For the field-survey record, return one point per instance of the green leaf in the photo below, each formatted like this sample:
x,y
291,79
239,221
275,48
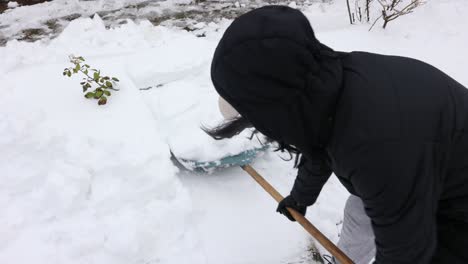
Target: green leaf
x,y
107,93
86,71
102,101
69,74
82,83
81,58
89,95
98,93
105,78
96,76
86,65
115,79
108,84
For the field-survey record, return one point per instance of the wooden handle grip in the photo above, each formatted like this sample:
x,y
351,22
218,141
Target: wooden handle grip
x,y
309,227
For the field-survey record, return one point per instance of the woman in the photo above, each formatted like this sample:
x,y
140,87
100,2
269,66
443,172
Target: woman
x,y
392,129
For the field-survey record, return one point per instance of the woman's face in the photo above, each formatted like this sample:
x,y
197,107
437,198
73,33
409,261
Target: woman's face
x,y
227,111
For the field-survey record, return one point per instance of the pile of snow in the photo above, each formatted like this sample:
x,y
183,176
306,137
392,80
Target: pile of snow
x,y
81,183
88,184
12,4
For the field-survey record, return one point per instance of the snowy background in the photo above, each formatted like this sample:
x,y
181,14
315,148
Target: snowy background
x,y
87,184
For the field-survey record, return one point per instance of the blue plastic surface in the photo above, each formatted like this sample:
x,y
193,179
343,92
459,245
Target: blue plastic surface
x,y
243,158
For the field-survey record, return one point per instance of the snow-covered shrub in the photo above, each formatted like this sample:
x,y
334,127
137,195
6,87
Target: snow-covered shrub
x,y
101,84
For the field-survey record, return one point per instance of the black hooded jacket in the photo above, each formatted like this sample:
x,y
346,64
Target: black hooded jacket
x,y
392,129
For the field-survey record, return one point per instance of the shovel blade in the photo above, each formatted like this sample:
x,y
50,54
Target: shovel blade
x,y
241,159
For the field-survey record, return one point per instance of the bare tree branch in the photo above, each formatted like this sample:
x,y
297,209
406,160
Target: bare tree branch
x,y
349,12
375,22
390,10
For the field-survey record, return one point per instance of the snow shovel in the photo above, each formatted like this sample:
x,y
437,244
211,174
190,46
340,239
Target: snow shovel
x,y
309,227
243,160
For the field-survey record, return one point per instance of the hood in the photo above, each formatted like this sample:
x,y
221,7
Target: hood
x,y
270,67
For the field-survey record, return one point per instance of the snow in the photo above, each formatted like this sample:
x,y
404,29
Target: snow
x,y
12,4
292,4
83,183
59,11
95,185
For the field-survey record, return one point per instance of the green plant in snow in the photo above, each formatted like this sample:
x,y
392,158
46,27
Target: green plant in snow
x,y
95,86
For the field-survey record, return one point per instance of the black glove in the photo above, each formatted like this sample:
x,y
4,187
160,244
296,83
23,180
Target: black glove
x,y
291,203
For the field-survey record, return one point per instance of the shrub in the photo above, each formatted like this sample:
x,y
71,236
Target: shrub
x,y
95,86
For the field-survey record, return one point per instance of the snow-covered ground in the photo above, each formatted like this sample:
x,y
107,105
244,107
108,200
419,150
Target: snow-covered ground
x,y
87,184
48,19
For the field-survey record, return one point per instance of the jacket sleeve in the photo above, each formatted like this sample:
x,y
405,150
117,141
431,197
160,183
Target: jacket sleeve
x,y
312,174
399,184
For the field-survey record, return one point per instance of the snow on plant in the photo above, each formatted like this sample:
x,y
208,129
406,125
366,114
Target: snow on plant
x,y
98,85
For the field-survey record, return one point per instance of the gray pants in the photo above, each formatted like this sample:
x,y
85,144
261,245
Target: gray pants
x,y
357,236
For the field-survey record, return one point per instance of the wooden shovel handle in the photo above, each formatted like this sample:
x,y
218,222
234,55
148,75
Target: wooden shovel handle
x,y
323,240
